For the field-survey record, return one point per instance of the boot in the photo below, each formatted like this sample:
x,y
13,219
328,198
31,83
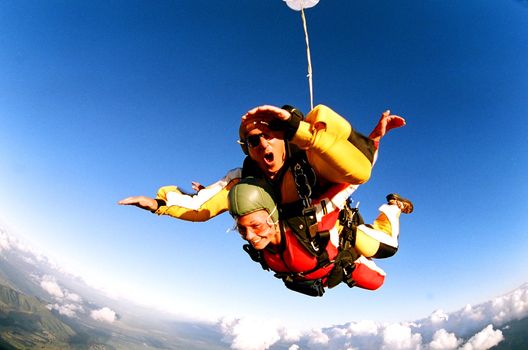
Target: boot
x,y
404,204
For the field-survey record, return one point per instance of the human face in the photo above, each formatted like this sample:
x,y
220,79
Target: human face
x,y
258,229
266,150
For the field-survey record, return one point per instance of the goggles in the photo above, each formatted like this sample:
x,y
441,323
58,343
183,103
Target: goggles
x,y
254,140
260,229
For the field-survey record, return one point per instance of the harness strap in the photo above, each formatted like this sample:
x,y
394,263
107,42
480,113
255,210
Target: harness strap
x,y
313,288
303,175
255,256
349,219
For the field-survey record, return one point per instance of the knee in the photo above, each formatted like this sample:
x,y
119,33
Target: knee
x,y
385,251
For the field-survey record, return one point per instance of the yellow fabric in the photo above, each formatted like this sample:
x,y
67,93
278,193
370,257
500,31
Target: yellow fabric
x,y
383,224
213,207
369,246
324,137
366,245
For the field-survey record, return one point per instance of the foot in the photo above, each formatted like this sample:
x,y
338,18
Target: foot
x,y
404,204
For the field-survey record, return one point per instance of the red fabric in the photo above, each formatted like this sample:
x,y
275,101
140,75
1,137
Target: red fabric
x,y
367,278
296,258
329,220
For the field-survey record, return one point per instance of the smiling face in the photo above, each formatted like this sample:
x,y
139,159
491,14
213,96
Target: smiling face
x,y
258,229
265,149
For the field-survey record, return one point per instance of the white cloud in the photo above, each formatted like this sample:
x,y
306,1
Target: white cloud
x,y
72,297
474,314
290,334
69,310
442,340
28,260
8,241
50,285
400,336
317,337
105,314
511,306
486,339
363,328
250,334
439,331
438,317
68,304
5,243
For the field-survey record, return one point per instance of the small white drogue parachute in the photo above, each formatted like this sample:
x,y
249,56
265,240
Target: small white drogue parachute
x,y
298,5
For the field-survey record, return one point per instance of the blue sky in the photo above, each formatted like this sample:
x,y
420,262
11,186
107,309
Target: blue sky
x,y
101,100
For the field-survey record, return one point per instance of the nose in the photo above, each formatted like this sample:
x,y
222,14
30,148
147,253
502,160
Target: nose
x,y
249,234
264,142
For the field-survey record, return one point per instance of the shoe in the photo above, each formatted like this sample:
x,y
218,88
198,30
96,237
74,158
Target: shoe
x,y
404,204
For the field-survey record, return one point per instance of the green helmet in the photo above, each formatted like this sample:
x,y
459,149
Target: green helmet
x,y
251,195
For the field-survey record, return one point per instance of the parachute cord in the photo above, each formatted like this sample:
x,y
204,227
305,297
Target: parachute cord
x,y
310,85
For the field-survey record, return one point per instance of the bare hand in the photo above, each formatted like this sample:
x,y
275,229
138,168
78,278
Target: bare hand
x,y
272,117
196,186
266,113
386,123
142,202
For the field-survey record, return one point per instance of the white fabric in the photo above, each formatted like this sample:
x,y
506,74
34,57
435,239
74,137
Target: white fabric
x,y
392,212
194,202
298,5
337,202
370,264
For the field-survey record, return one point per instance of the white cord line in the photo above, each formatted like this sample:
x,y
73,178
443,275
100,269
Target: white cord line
x,y
310,85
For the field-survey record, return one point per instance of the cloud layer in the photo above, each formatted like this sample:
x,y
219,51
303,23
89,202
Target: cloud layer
x,y
71,304
470,328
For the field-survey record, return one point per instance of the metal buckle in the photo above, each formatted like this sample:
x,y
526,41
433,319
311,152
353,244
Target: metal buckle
x,y
310,218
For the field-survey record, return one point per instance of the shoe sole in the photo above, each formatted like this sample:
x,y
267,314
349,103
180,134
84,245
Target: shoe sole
x,y
407,204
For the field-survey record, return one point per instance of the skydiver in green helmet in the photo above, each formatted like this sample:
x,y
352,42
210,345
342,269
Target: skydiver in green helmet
x,y
305,264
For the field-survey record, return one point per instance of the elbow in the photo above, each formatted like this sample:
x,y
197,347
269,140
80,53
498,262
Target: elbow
x,y
365,176
359,176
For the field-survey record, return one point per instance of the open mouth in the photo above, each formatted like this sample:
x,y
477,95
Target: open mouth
x,y
268,157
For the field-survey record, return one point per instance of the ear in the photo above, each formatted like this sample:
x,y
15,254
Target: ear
x,y
244,147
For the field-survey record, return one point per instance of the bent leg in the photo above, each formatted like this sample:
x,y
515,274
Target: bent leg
x,y
380,240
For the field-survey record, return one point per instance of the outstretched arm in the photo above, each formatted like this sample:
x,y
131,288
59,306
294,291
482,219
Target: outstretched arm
x,y
207,203
142,202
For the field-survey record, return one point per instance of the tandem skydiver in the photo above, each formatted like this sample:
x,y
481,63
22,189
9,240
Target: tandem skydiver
x,y
310,167
339,252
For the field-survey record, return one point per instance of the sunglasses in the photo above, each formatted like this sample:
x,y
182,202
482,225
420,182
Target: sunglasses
x,y
254,140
